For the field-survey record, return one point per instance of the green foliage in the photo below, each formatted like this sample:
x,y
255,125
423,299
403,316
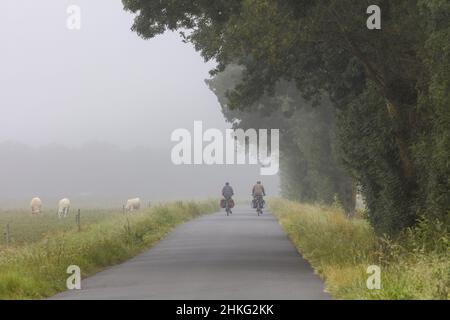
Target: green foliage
x,y
368,150
310,170
38,269
432,150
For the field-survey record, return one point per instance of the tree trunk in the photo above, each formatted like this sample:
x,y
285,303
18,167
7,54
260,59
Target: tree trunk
x,y
401,140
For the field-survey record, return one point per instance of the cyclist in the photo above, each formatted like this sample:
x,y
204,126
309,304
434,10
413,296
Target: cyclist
x,y
227,192
258,192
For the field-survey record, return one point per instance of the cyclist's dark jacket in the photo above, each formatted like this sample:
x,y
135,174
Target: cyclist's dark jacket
x,y
227,191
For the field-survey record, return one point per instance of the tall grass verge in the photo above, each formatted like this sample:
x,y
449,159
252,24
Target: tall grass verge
x,y
414,266
38,270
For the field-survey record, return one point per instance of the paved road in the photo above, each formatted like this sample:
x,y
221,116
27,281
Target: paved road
x,y
242,256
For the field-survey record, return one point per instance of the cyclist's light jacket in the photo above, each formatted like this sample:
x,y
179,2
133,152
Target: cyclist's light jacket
x,y
258,190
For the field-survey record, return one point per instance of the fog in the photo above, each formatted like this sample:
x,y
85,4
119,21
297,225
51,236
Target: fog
x,y
88,113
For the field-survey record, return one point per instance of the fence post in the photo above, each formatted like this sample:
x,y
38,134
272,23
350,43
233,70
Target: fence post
x,y
149,204
78,219
123,209
7,234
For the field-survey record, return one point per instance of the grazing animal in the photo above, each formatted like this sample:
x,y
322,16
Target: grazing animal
x,y
133,204
36,205
63,208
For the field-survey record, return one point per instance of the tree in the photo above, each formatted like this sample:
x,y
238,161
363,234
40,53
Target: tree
x,y
310,169
394,80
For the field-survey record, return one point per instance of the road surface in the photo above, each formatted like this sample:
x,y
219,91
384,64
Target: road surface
x,y
242,256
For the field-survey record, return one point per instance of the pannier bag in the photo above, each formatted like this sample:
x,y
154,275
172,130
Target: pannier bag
x,y
254,203
230,203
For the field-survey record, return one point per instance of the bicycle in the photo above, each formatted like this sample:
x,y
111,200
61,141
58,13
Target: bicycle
x,y
227,207
259,204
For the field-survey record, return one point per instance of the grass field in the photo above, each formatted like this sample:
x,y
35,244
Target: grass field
x,y
26,228
34,265
414,266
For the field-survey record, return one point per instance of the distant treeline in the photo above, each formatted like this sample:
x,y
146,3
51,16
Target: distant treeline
x,y
101,174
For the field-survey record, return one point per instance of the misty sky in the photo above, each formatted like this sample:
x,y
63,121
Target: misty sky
x,y
101,83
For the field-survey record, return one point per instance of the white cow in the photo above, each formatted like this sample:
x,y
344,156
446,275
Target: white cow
x,y
63,208
133,204
36,205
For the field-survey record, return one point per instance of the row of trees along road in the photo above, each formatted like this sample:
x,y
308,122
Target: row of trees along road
x,y
356,106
